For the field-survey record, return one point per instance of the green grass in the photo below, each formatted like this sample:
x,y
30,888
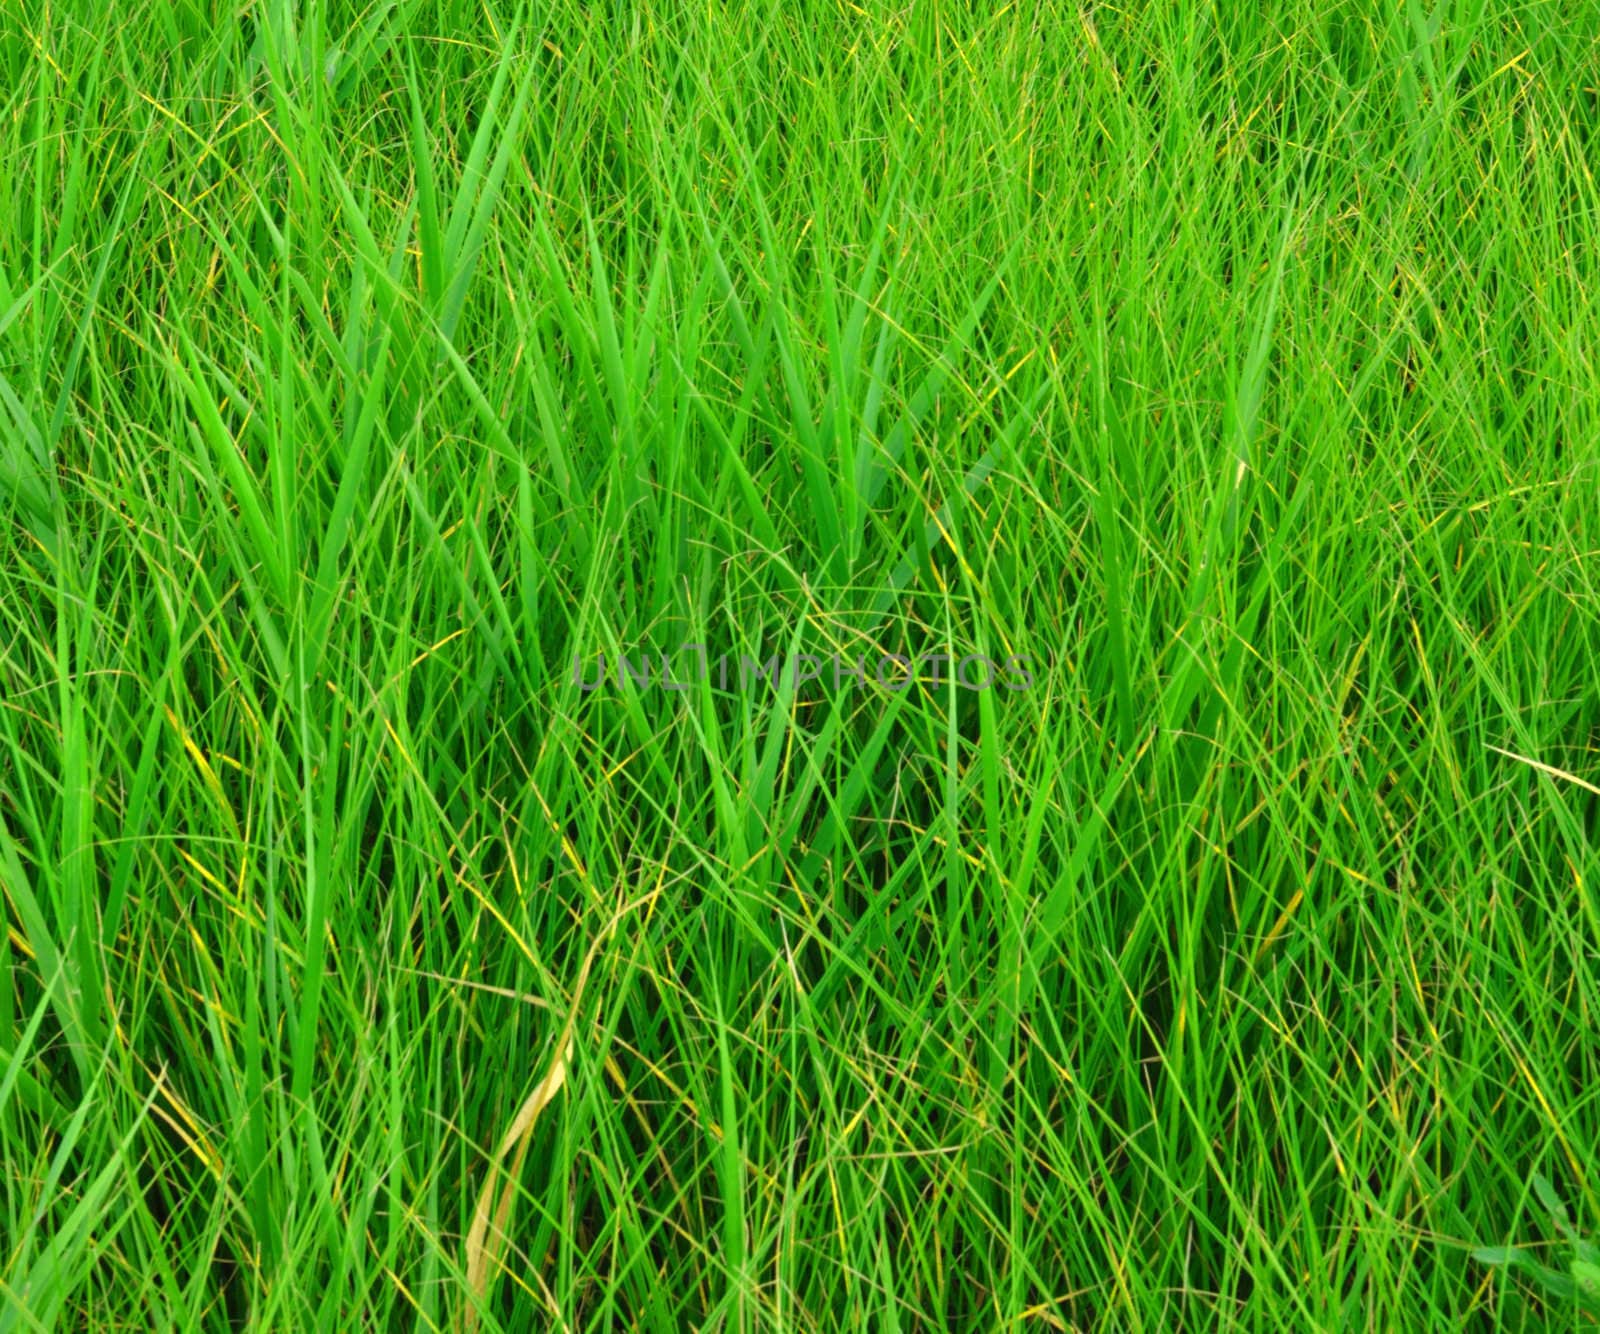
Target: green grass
x,y
361,365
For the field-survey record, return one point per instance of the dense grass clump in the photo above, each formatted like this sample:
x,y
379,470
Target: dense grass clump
x,y
374,376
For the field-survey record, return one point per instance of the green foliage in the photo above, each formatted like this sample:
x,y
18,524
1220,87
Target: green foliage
x,y
1575,1291
362,365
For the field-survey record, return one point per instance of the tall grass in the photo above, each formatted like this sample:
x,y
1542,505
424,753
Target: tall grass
x,y
365,368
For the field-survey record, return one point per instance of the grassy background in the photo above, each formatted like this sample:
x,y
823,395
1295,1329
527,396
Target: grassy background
x,y
362,364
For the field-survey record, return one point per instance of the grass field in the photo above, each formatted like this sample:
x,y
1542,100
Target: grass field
x,y
375,375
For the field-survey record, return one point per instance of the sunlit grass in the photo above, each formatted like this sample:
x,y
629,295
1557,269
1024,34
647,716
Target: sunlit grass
x,y
361,368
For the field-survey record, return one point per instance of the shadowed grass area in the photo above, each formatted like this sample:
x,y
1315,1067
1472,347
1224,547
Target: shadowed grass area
x,y
373,377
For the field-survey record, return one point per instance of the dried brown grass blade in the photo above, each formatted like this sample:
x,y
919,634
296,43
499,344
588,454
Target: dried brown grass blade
x,y
491,1220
